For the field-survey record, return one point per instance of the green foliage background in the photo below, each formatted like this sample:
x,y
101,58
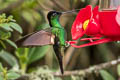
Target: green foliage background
x,y
39,62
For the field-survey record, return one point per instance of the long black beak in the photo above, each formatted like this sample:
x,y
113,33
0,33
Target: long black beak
x,y
71,11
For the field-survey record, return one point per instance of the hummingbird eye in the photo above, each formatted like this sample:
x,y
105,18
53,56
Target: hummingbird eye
x,y
54,14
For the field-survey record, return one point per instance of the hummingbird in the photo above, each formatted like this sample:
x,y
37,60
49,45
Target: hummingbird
x,y
55,35
60,35
59,32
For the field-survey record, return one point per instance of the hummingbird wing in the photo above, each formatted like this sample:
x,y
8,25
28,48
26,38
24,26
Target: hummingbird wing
x,y
58,54
40,38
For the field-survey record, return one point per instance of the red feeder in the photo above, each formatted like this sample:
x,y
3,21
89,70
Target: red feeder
x,y
101,25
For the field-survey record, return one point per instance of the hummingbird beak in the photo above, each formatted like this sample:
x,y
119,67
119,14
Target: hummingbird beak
x,y
72,11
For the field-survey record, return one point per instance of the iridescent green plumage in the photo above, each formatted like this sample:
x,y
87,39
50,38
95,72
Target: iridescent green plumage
x,y
57,29
59,33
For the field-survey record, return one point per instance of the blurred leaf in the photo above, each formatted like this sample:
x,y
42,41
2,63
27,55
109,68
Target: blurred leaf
x,y
1,78
11,43
37,53
36,15
30,3
118,69
106,76
2,44
29,17
10,18
10,59
22,52
12,75
6,26
4,35
16,27
1,67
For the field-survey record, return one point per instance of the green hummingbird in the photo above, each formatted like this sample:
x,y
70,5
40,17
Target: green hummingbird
x,y
59,32
43,37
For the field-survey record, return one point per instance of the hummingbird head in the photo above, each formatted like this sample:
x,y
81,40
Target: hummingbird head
x,y
53,15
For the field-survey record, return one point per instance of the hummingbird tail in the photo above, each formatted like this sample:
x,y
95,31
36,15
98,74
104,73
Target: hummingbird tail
x,y
60,60
59,56
61,63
